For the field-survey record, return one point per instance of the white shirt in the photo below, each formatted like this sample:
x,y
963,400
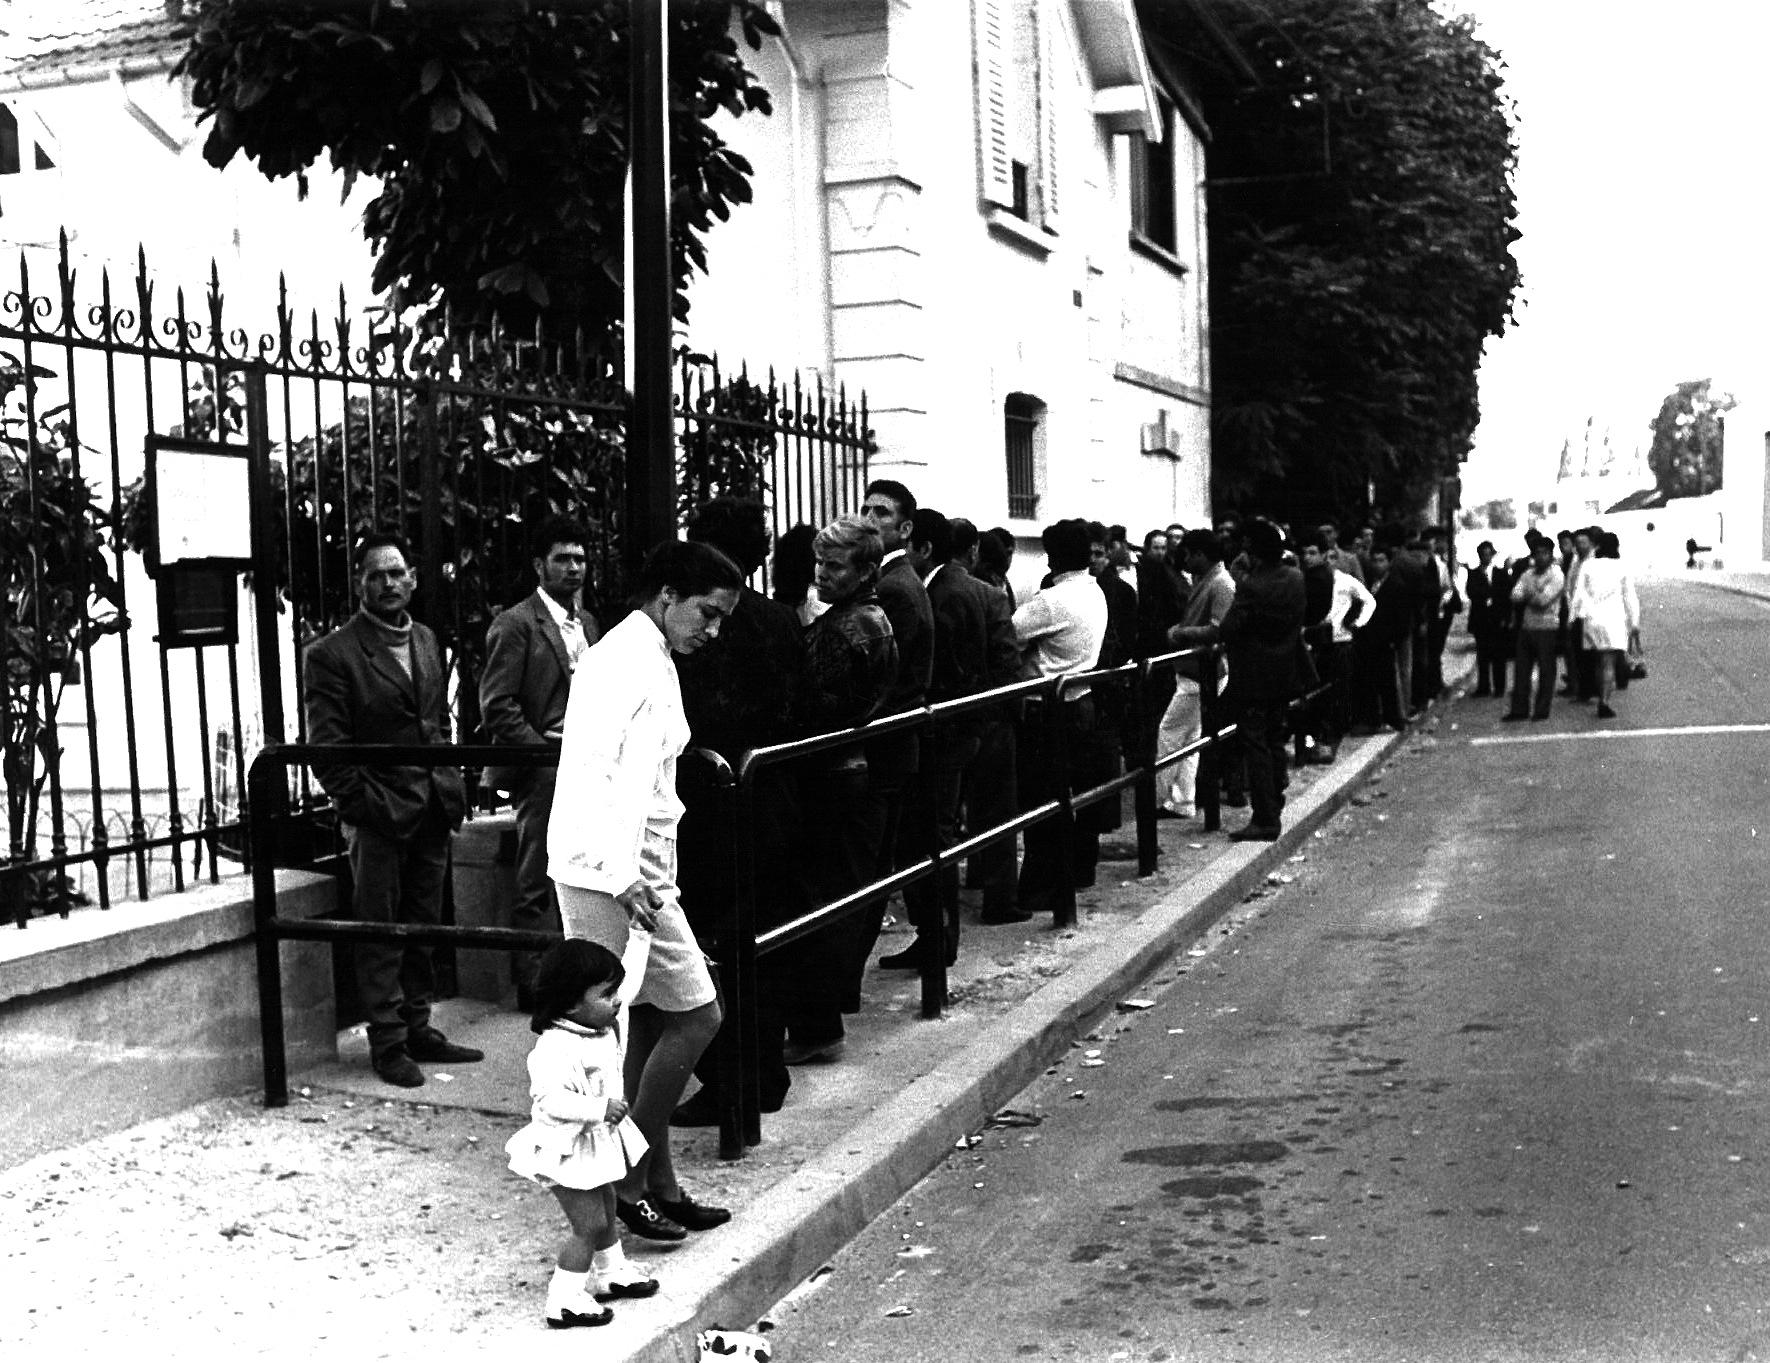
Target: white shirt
x,y
569,630
1063,626
1348,589
624,730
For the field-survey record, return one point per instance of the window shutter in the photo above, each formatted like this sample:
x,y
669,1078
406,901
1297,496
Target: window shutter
x,y
989,19
1050,50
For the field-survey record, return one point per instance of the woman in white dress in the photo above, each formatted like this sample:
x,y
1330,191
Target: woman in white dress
x,y
1605,604
611,851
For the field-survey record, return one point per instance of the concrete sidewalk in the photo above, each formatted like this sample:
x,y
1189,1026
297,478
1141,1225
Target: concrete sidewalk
x,y
856,1135
366,1220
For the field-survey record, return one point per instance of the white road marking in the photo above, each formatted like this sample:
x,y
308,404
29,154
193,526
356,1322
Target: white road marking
x,y
1501,739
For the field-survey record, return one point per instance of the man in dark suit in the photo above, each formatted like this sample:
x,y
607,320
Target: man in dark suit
x,y
1490,620
1263,637
893,761
530,652
743,691
379,678
973,643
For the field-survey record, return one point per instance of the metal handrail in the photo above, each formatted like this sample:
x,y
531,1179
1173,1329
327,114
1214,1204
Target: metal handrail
x,y
738,951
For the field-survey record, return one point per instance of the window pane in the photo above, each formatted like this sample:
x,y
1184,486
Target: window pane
x,y
9,163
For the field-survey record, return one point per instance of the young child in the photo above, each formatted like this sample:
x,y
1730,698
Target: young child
x,y
580,1141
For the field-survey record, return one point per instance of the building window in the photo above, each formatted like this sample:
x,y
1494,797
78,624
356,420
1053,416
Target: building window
x,y
1023,420
19,151
1153,207
1018,44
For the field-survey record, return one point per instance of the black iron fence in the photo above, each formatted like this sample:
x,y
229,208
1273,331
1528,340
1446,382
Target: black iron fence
x,y
738,949
124,753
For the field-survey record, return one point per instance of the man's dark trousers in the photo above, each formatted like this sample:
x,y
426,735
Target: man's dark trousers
x,y
1536,648
398,880
1042,777
536,909
1260,727
936,814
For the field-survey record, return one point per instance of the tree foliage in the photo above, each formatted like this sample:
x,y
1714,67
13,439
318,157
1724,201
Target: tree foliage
x,y
1361,222
1687,439
1501,513
57,597
498,135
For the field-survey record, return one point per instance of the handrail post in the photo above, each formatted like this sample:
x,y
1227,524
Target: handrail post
x,y
1209,759
1057,737
728,956
1144,723
739,1073
262,780
933,972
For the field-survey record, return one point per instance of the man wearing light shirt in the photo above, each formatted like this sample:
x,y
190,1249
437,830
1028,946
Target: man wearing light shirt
x,y
1060,630
1348,592
531,650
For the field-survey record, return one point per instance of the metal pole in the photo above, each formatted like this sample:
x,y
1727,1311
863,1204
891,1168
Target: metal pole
x,y
1145,720
651,459
266,624
265,775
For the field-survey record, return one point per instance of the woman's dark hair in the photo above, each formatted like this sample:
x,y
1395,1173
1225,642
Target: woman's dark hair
x,y
736,526
687,568
795,565
1608,545
568,971
993,557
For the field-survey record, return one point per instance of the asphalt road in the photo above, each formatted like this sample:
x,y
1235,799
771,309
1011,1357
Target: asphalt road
x,y
1484,1074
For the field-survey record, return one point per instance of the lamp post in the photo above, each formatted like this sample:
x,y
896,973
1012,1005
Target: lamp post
x,y
651,455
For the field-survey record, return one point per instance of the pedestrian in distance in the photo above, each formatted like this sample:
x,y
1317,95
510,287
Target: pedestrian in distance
x,y
611,849
1609,611
1489,592
1538,595
580,1140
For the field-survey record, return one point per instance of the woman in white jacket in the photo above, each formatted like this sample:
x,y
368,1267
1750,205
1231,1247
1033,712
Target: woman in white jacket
x,y
611,851
1605,603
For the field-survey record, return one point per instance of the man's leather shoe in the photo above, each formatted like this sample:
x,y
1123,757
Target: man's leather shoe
x,y
641,1216
431,1045
812,1052
398,1068
689,1214
700,1110
912,957
1508,717
1256,832
998,917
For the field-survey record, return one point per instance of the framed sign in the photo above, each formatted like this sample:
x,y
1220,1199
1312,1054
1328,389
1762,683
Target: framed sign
x,y
198,604
202,506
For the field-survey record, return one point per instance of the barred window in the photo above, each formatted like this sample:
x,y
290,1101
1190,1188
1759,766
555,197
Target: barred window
x,y
1024,439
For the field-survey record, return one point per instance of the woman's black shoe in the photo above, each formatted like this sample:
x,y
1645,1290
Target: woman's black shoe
x,y
691,1215
641,1216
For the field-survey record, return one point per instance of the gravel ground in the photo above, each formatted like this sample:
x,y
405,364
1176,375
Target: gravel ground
x,y
230,1228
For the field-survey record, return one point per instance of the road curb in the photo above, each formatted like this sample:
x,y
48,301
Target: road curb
x,y
812,1214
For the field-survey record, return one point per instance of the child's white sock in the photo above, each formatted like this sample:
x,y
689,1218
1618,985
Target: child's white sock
x,y
612,1275
568,1291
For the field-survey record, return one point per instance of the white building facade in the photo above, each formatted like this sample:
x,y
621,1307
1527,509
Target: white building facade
x,y
989,216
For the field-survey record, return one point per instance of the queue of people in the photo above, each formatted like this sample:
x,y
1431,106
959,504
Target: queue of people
x,y
870,615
